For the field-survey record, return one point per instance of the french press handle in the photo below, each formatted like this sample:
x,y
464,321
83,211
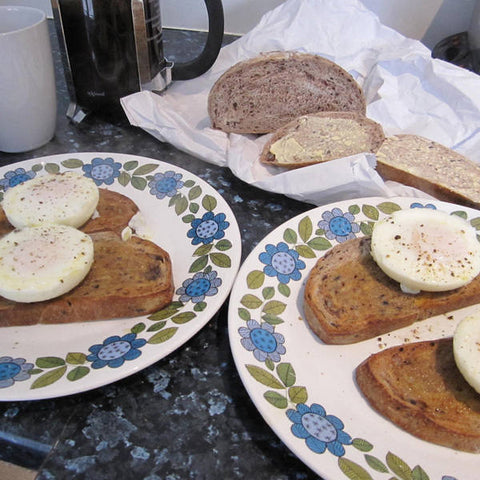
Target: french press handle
x,y
180,71
199,65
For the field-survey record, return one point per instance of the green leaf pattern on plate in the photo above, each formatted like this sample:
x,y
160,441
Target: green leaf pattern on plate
x,y
265,301
186,198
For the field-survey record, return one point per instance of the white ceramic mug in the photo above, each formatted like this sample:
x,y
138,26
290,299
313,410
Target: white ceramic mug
x,y
28,102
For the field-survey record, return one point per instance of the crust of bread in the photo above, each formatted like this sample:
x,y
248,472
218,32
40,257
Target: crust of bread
x,y
114,211
261,94
127,279
430,167
325,136
419,388
349,299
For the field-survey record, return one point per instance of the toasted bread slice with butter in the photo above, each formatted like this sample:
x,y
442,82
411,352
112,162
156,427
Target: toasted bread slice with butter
x,y
128,278
261,94
348,298
321,137
113,212
419,388
431,167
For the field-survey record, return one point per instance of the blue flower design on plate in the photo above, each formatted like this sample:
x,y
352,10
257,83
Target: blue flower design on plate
x,y
13,370
262,341
13,177
338,225
320,431
165,184
282,262
419,205
102,170
115,350
208,228
200,286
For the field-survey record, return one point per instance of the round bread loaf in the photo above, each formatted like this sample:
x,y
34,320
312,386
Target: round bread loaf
x,y
262,94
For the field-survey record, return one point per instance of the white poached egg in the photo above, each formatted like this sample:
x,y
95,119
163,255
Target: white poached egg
x,y
466,349
426,249
43,262
67,198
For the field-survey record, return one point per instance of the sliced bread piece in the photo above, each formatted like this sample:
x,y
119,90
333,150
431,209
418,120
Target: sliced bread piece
x,y
127,279
348,298
320,137
264,93
431,167
419,388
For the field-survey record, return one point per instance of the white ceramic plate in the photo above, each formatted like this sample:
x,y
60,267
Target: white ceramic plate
x,y
304,388
45,361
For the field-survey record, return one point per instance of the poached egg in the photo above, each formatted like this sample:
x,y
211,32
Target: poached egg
x,y
67,198
426,249
43,262
466,349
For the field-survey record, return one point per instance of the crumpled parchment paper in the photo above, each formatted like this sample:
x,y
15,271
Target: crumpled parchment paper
x,y
406,90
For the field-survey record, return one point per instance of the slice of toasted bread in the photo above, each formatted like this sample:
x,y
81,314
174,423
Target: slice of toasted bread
x,y
430,167
320,137
348,298
113,212
419,388
127,279
262,94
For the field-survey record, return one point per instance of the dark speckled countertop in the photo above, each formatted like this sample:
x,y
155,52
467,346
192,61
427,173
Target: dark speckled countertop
x,y
186,417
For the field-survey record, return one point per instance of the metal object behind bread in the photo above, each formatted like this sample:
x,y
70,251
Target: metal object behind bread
x,y
113,48
462,49
456,49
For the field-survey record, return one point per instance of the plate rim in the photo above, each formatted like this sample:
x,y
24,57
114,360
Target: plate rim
x,y
263,407
218,300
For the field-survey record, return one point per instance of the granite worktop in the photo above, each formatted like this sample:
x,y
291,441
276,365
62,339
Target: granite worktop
x,y
186,416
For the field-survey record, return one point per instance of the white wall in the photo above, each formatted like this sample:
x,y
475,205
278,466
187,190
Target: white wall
x,y
240,15
426,20
410,17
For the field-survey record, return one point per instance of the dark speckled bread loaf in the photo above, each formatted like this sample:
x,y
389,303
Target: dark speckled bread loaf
x,y
261,94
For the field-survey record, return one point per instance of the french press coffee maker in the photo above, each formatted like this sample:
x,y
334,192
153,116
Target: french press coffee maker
x,y
113,48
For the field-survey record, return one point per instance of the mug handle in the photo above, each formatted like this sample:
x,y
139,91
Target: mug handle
x,y
199,65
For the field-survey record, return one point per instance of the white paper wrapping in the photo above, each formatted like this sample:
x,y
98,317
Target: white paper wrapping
x,y
406,90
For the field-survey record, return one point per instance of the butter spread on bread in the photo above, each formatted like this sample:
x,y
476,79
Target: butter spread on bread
x,y
431,167
320,137
348,298
419,388
261,94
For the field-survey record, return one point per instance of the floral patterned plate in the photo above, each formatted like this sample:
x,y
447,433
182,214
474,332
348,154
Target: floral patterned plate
x,y
186,217
304,388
